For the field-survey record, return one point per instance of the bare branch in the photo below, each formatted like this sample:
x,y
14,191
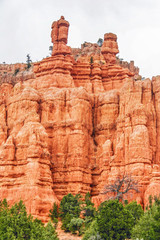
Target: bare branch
x,y
121,186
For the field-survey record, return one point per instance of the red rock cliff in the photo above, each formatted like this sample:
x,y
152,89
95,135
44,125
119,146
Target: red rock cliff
x,y
71,126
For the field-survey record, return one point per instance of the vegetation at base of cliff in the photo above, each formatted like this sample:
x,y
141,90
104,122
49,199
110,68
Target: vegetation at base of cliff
x,y
70,208
117,221
16,224
148,226
76,214
54,214
112,220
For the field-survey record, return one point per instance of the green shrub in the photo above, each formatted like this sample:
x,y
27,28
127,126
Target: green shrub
x,y
87,199
28,62
148,227
91,60
70,205
50,233
66,221
76,224
70,209
16,224
16,71
53,214
135,209
100,42
144,228
87,222
92,232
89,211
114,221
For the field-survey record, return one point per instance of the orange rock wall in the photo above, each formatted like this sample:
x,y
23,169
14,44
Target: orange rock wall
x,y
13,73
73,126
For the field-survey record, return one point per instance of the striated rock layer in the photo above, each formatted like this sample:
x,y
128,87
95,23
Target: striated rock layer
x,y
73,124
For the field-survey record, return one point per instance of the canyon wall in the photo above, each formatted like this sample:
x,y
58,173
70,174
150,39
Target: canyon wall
x,y
75,121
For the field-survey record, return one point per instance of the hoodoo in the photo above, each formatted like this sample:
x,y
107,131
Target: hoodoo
x,y
75,121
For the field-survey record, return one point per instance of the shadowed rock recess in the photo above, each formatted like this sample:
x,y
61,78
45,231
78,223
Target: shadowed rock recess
x,y
74,122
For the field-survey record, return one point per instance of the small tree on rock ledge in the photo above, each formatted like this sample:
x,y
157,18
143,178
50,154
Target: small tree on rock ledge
x,y
28,61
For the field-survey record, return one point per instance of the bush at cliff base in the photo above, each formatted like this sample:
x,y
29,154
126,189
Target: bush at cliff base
x,y
113,221
75,225
16,224
135,209
69,208
92,232
54,214
148,227
76,214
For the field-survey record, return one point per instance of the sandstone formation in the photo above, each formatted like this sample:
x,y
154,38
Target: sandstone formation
x,y
13,73
76,121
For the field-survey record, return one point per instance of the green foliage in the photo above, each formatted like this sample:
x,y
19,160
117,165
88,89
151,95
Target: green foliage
x,y
50,50
49,233
156,224
87,199
91,60
84,44
100,42
144,228
88,207
70,209
54,214
16,71
55,222
89,211
87,222
114,221
148,227
16,224
92,232
70,205
75,225
28,61
89,215
150,201
66,221
135,209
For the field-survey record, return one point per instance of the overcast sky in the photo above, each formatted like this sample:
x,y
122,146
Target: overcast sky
x,y
26,25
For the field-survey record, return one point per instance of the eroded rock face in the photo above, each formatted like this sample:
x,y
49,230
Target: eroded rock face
x,y
76,124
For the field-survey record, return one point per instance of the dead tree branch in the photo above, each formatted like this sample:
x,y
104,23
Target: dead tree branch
x,y
121,186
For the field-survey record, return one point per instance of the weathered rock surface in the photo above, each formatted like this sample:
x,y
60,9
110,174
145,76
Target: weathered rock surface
x,y
74,124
